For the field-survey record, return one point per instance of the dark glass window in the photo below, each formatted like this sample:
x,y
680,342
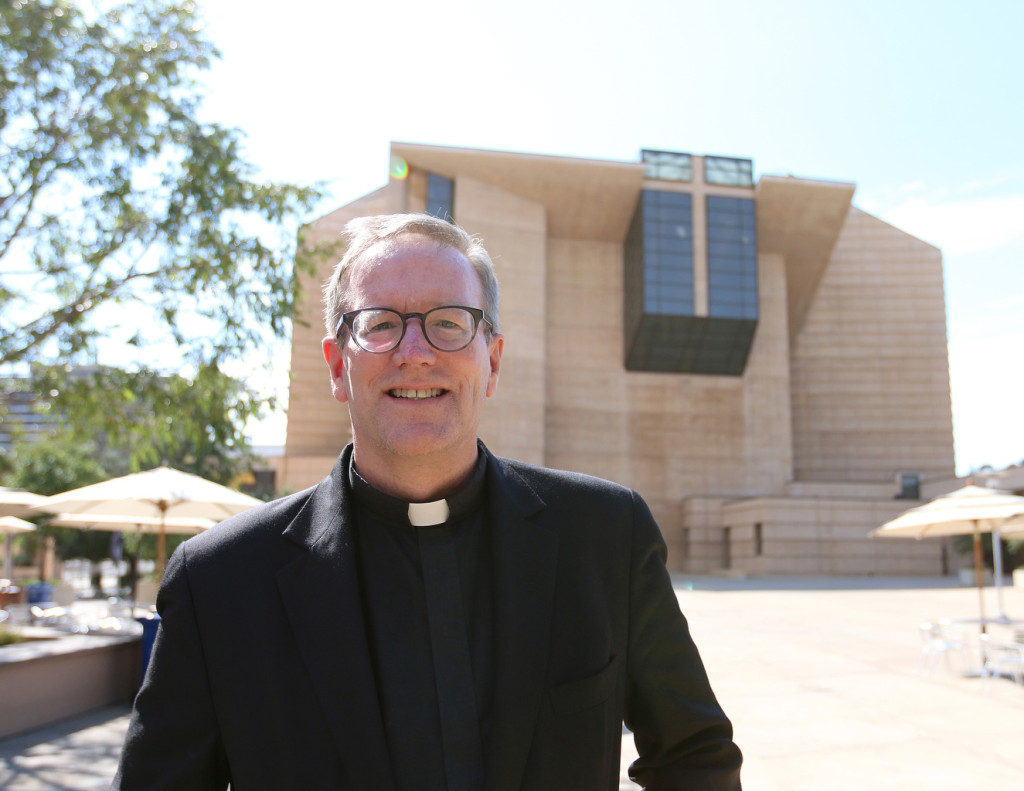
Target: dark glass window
x,y
729,172
667,165
732,258
667,252
661,331
910,486
440,192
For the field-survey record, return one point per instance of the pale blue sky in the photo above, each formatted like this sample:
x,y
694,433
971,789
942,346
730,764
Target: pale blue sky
x,y
916,102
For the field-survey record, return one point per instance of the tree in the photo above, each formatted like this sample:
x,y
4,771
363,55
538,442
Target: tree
x,y
110,423
113,192
119,206
140,419
51,466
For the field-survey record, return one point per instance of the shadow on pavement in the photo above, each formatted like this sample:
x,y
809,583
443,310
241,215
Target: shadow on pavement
x,y
80,753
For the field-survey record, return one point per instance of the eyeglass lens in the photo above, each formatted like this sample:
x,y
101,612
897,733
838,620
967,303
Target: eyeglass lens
x,y
381,330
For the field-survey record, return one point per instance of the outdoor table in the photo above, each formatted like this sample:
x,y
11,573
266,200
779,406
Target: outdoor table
x,y
982,645
1003,620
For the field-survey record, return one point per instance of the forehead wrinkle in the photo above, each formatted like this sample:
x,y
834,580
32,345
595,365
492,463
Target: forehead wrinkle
x,y
385,248
374,259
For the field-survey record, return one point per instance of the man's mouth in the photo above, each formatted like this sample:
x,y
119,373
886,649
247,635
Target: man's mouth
x,y
416,395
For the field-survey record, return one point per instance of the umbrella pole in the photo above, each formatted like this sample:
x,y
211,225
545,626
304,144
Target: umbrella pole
x,y
979,575
997,571
8,560
134,573
161,542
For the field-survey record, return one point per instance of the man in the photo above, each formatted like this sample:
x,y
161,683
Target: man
x,y
429,616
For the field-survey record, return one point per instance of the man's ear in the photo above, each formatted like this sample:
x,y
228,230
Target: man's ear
x,y
494,348
336,364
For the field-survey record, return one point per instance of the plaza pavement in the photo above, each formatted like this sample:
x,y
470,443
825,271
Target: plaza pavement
x,y
820,676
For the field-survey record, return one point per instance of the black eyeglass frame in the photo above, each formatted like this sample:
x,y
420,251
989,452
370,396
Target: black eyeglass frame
x,y
348,320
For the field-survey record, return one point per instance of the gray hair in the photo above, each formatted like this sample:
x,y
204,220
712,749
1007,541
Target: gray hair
x,y
363,233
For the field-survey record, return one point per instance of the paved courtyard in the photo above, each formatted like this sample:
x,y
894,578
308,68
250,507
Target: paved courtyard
x,y
822,681
821,678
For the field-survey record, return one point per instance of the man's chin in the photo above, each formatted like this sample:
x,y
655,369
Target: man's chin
x,y
420,441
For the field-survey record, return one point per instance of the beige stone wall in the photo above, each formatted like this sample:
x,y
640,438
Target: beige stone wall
x,y
801,536
824,537
700,546
514,231
667,435
870,367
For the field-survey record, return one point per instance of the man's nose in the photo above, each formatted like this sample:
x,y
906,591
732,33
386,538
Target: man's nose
x,y
414,344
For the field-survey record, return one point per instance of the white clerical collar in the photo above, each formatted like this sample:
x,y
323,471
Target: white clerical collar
x,y
428,514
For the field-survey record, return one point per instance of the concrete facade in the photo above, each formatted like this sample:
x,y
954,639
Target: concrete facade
x,y
780,470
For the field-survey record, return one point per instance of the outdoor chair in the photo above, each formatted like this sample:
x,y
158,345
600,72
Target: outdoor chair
x,y
1003,659
937,640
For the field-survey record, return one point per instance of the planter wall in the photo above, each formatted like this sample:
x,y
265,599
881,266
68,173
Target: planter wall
x,y
45,681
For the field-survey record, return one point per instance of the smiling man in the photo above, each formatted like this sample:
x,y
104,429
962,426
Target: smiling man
x,y
414,404
430,617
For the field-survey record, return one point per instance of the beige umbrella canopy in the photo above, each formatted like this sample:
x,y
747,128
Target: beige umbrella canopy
x,y
14,503
1013,528
9,525
160,494
139,524
17,502
972,510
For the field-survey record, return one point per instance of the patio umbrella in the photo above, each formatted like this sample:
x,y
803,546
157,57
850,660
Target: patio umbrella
x,y
17,502
161,494
971,510
9,525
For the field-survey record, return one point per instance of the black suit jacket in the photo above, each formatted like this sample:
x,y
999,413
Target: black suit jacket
x,y
261,674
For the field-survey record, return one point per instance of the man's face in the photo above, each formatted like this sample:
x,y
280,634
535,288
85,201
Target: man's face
x,y
390,418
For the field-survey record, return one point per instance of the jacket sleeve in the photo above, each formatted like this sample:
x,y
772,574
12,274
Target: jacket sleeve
x,y
173,742
683,737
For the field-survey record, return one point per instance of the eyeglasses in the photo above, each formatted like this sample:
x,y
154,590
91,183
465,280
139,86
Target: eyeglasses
x,y
448,328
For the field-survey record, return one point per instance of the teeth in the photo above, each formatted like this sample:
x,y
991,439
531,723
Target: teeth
x,y
406,393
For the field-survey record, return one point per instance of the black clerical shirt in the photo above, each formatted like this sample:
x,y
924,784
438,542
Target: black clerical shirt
x,y
394,604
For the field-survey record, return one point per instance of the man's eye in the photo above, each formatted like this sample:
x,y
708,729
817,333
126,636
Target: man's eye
x,y
447,328
380,326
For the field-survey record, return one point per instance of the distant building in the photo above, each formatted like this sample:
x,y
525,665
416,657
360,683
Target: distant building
x,y
763,361
1010,479
26,415
22,417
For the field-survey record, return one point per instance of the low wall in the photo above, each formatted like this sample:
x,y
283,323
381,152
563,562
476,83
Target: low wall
x,y
45,681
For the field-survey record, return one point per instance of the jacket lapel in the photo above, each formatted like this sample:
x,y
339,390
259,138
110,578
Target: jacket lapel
x,y
320,590
525,564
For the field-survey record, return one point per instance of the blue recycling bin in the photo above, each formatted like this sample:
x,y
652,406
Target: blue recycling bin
x,y
40,593
150,625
